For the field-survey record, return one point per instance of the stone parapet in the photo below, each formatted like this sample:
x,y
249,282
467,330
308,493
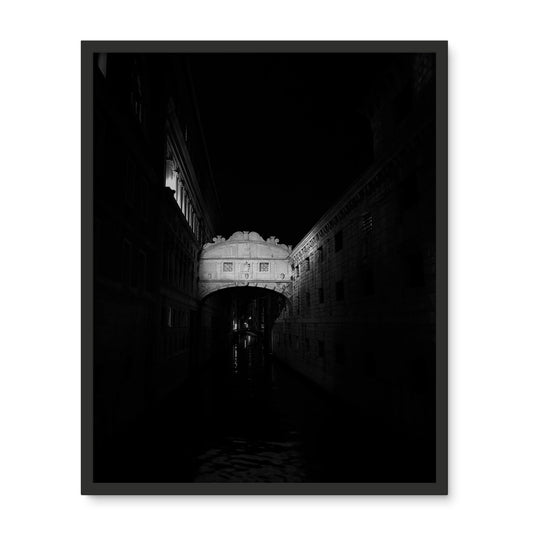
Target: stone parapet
x,y
245,259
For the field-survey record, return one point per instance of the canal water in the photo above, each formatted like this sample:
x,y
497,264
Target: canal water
x,y
250,418
251,433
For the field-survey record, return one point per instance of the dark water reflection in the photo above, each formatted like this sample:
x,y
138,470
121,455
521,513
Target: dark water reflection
x,y
251,437
248,418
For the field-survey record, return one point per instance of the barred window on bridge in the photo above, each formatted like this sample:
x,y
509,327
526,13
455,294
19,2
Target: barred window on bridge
x,y
263,267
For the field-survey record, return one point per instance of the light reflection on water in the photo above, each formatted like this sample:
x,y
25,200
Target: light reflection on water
x,y
251,447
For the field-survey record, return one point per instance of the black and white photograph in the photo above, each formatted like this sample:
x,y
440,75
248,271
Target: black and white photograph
x,y
266,267
265,277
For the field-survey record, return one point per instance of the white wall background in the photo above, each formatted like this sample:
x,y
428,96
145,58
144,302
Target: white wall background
x,y
491,354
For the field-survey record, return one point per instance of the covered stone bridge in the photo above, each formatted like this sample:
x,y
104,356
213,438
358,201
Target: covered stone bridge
x,y
245,260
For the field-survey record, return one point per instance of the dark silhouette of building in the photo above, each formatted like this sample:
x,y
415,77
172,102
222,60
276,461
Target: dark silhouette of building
x,y
154,206
362,319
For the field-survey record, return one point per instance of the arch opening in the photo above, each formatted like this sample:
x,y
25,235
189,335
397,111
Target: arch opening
x,y
246,311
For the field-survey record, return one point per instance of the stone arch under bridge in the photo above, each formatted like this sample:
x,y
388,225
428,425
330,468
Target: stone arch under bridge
x,y
245,260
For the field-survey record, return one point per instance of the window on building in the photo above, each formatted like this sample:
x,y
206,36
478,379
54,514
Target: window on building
x,y
170,175
263,267
339,290
180,193
320,253
320,295
195,224
227,267
201,231
307,299
171,317
187,207
338,241
297,271
307,264
367,223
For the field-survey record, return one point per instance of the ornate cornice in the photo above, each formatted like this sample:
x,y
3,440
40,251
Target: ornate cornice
x,y
375,179
247,236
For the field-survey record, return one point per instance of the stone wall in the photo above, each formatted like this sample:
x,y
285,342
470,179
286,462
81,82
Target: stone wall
x,y
362,319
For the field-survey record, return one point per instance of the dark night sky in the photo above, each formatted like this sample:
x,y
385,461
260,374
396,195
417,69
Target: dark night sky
x,y
284,134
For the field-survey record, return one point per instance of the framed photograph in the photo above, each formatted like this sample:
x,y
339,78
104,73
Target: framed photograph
x,y
264,267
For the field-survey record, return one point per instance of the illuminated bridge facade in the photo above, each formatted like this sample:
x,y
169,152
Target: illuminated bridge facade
x,y
245,260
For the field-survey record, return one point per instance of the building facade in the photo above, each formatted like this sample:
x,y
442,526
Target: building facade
x,y
154,206
362,319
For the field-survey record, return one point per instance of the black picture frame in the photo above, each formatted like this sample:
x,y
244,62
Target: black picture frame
x,y
88,48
